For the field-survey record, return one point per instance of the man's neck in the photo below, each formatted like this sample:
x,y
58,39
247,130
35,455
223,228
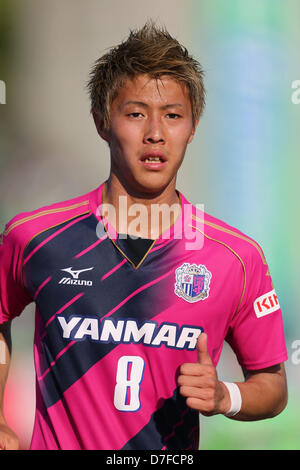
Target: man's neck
x,y
141,215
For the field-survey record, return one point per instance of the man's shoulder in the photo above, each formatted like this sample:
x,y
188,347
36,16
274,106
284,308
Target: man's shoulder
x,y
25,225
232,238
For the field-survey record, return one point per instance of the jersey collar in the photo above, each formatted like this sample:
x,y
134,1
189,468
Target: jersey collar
x,y
183,228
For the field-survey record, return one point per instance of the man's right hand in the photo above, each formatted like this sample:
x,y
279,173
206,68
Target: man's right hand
x,y
8,439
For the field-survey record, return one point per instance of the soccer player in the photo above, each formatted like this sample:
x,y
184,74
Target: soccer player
x,y
135,288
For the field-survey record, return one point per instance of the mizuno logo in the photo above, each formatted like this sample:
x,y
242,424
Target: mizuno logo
x,y
75,274
74,280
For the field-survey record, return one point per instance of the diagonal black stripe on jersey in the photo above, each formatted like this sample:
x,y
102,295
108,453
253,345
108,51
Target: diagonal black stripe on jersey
x,y
102,297
40,237
82,355
174,425
59,253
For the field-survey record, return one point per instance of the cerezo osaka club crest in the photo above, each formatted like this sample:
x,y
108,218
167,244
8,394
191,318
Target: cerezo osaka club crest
x,y
192,282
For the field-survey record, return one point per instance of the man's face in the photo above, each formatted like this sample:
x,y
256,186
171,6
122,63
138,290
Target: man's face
x,y
150,127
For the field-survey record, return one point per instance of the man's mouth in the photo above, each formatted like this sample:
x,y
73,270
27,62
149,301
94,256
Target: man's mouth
x,y
153,158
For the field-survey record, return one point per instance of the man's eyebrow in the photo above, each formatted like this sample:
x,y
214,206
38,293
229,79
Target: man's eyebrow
x,y
172,105
145,105
140,103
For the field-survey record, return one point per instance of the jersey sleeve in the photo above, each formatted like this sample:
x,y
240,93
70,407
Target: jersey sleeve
x,y
13,296
256,332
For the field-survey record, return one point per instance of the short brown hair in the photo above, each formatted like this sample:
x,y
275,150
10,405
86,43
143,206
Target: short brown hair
x,y
150,50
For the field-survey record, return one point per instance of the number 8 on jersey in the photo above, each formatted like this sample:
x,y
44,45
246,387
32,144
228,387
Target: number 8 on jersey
x,y
129,376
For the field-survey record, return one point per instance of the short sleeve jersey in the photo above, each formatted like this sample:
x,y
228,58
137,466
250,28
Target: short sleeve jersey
x,y
110,335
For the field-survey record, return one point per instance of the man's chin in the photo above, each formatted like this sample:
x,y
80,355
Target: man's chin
x,y
146,186
151,189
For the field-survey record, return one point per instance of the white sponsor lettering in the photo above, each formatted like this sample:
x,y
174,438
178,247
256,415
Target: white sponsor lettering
x,y
167,335
88,327
68,327
128,331
133,334
190,336
112,332
266,304
74,280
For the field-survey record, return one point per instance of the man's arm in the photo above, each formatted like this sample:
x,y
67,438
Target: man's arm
x,y
8,439
264,392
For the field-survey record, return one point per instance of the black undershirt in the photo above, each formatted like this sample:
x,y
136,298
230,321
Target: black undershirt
x,y
134,248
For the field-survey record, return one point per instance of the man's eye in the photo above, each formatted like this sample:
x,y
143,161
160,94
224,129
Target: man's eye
x,y
173,116
135,115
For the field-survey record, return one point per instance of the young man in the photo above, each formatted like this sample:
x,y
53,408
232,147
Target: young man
x,y
133,307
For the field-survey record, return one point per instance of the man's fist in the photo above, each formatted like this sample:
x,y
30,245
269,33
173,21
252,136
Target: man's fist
x,y
200,385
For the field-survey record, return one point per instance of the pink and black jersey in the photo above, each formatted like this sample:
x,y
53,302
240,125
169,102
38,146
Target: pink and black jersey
x,y
111,334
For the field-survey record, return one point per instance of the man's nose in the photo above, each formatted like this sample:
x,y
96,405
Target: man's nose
x,y
154,132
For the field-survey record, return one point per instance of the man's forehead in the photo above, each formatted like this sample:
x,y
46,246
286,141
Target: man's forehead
x,y
142,87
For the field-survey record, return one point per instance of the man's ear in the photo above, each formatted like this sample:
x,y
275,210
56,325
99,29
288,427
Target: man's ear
x,y
193,132
99,123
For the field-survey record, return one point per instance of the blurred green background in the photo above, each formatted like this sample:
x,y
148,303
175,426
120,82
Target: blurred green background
x,y
243,164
